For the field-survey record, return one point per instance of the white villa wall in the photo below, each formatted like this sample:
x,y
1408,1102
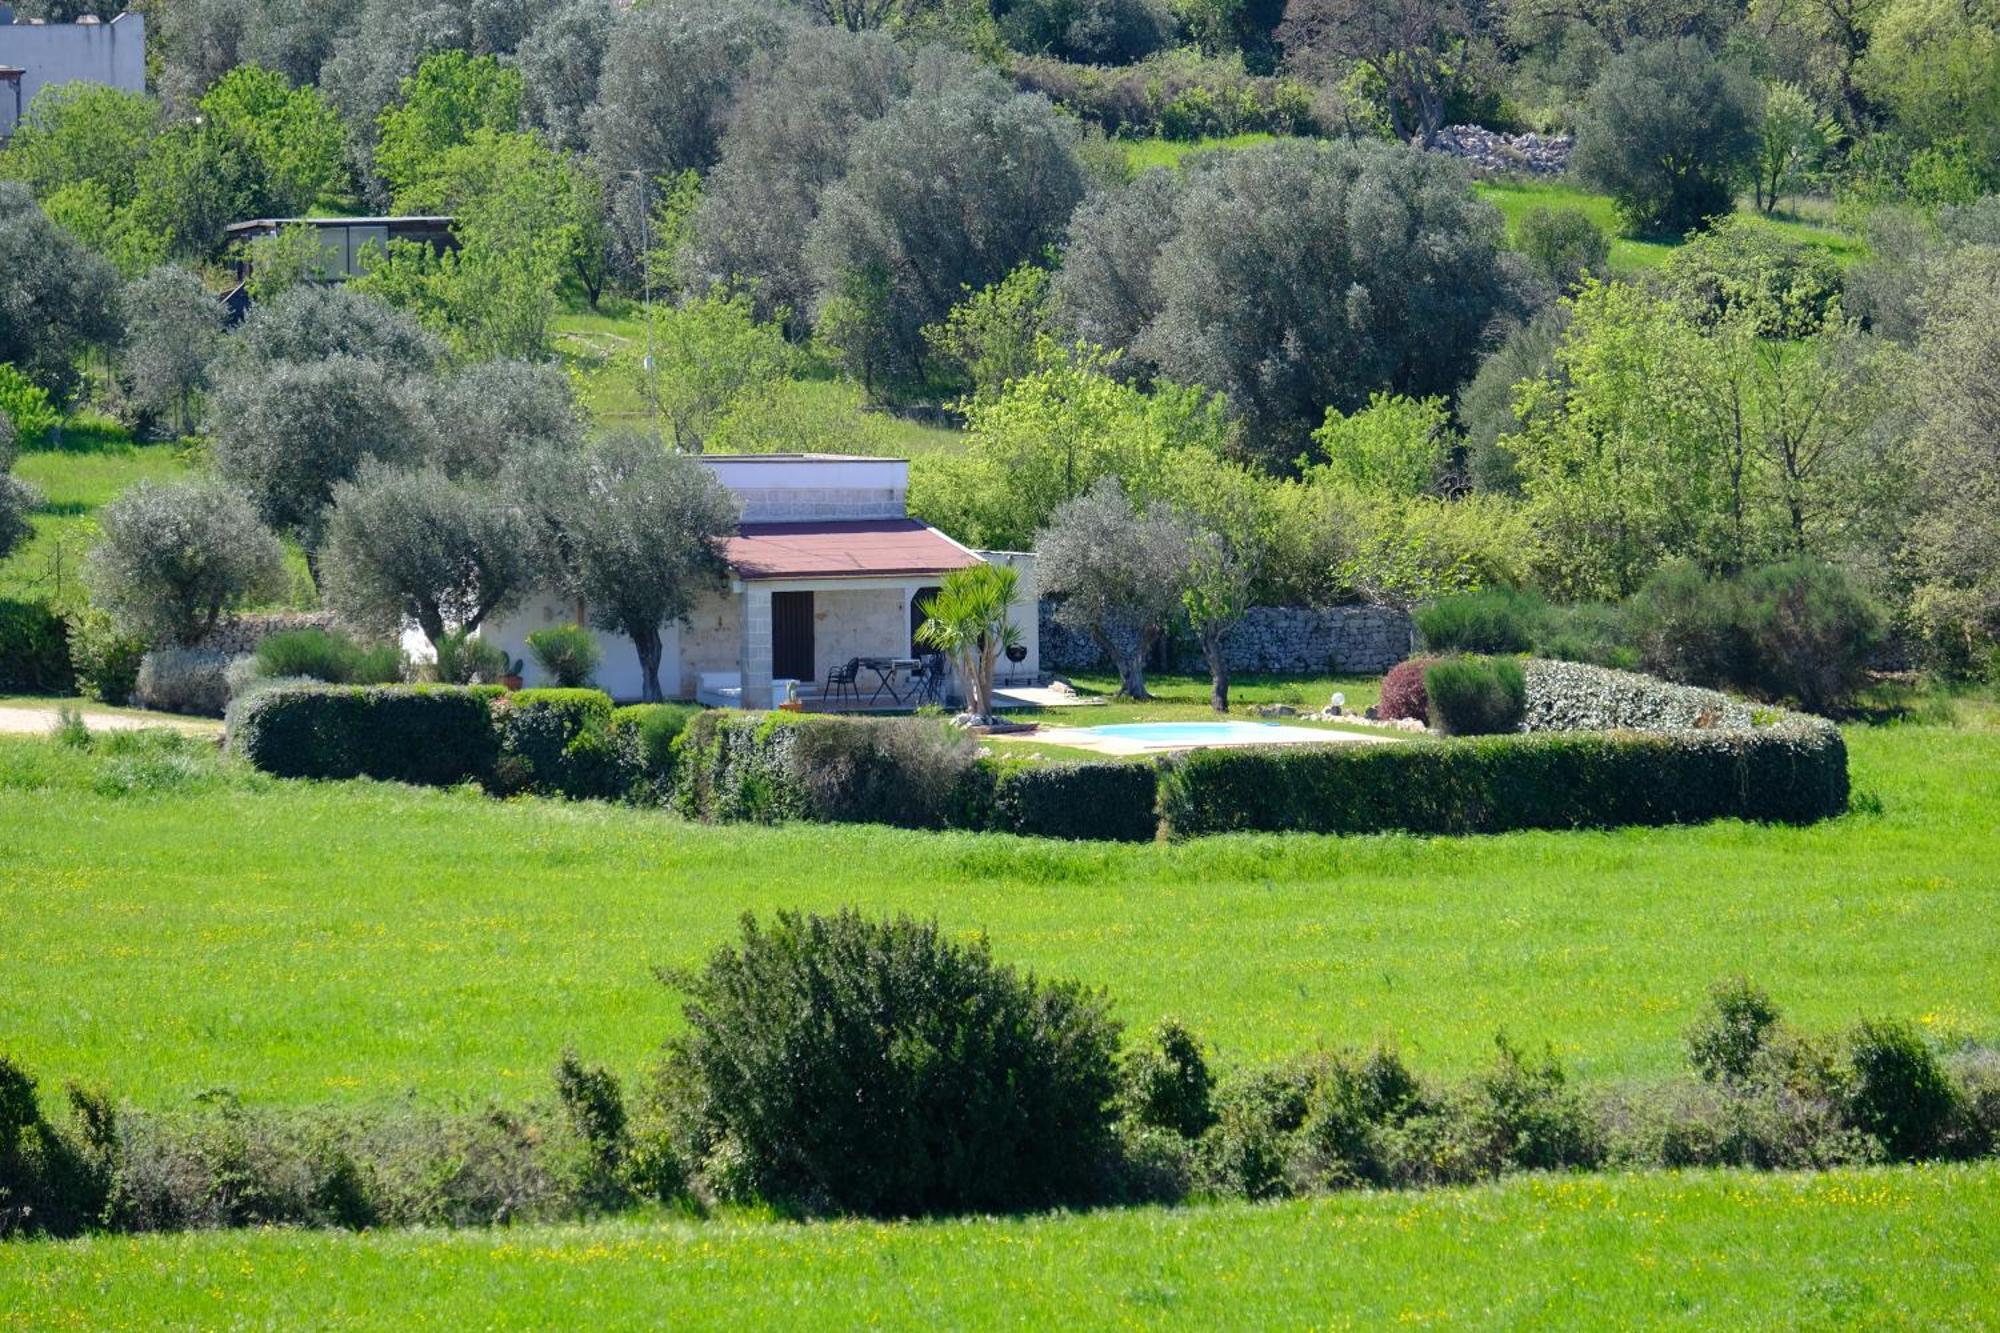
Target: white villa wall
x,y
111,53
617,675
862,622
711,639
1025,613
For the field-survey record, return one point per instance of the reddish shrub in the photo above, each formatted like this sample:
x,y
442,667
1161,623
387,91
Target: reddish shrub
x,y
1403,690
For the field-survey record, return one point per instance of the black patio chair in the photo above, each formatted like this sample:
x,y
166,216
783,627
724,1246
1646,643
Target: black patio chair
x,y
843,680
928,680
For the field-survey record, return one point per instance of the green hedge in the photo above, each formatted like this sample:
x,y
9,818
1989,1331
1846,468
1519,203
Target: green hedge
x,y
34,650
1793,772
655,728
563,742
433,735
1098,802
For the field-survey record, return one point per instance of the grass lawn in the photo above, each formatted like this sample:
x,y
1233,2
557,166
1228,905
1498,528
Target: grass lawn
x,y
97,464
1908,1247
168,928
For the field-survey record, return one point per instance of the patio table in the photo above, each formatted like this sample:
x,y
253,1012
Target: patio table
x,y
885,669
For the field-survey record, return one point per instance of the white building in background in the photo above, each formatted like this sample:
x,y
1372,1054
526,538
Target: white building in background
x,y
826,567
34,56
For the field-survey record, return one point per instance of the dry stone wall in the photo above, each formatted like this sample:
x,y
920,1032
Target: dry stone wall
x,y
1271,640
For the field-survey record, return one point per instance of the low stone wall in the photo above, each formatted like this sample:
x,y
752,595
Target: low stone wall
x,y
236,635
1271,640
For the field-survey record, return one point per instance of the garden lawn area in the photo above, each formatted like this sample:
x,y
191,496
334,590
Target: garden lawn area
x,y
1904,1247
96,464
170,924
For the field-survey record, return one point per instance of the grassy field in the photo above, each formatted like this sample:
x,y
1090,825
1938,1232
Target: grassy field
x,y
172,927
1905,1248
95,466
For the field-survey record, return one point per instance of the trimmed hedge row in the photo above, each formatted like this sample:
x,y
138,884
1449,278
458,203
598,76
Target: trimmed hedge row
x,y
431,735
1793,772
1091,802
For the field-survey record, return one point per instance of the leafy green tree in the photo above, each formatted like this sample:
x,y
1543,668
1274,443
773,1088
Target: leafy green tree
x,y
85,211
1669,132
446,104
173,331
633,531
1232,543
56,298
787,143
287,437
292,136
1935,64
412,544
970,620
1119,573
79,131
951,190
1789,289
195,181
708,352
174,556
995,335
1792,141
1395,446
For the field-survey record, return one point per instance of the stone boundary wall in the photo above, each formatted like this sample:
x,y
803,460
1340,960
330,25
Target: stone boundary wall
x,y
1271,640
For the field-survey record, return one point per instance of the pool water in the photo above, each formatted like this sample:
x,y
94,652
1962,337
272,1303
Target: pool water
x,y
1188,733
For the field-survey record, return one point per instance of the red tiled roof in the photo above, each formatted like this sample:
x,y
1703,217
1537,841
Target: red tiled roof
x,y
862,548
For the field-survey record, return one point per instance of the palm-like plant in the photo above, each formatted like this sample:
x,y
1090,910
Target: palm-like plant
x,y
968,619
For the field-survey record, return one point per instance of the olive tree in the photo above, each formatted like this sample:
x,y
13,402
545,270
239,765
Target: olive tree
x,y
561,60
173,330
289,436
173,557
17,501
311,322
56,298
411,544
950,191
1422,53
490,411
634,532
1669,131
1120,574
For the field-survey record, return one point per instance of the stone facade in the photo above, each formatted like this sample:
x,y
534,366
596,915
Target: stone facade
x,y
236,635
1271,640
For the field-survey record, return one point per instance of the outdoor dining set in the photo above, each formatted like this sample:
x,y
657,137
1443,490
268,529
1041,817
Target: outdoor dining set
x,y
866,682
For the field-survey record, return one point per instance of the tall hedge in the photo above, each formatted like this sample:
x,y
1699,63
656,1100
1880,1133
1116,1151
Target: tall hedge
x,y
431,735
1793,772
1111,802
34,650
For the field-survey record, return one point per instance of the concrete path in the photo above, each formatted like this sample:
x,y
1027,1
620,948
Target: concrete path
x,y
39,720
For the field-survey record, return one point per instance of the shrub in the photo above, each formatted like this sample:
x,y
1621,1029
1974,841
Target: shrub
x,y
1248,1151
1688,627
1403,690
328,656
1166,1083
913,772
1786,286
838,1063
655,728
105,660
1343,1140
1564,245
1725,1041
34,650
1524,1116
1570,696
1502,620
18,502
1175,95
567,654
1900,1092
563,742
183,680
428,735
465,660
1110,802
1810,632
1476,696
1794,771
1590,632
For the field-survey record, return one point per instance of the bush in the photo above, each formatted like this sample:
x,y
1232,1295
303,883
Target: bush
x,y
1810,633
183,680
1564,245
428,735
1724,1043
1570,696
564,743
1476,696
1688,627
1403,691
1794,771
1900,1091
655,728
34,650
567,654
1502,620
105,660
1166,1083
1109,802
465,660
842,1064
912,772
1588,632
329,656
1786,286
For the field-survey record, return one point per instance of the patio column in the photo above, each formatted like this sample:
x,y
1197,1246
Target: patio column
x,y
754,658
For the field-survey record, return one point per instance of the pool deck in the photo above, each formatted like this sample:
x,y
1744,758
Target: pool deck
x,y
1083,738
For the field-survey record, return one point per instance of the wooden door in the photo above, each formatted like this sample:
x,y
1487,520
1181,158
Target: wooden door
x,y
792,636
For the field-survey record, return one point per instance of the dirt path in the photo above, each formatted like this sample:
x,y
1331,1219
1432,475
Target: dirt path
x,y
38,720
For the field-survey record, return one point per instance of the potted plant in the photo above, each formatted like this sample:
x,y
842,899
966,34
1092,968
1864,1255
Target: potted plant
x,y
511,677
